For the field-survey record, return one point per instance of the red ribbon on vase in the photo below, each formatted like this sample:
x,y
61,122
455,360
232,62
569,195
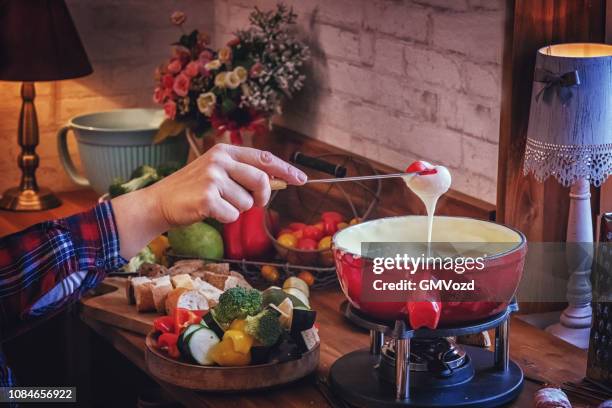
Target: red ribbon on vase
x,y
258,126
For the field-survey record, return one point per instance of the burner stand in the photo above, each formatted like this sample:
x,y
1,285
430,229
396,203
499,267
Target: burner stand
x,y
488,378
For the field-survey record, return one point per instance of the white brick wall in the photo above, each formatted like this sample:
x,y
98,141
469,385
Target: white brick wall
x,y
125,41
393,80
399,80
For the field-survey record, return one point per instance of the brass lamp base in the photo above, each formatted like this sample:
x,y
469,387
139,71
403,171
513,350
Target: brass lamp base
x,y
14,199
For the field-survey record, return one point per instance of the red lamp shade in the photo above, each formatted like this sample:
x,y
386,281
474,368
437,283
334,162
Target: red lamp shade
x,y
39,42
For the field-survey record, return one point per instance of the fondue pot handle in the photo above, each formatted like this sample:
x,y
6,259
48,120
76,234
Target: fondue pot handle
x,y
315,163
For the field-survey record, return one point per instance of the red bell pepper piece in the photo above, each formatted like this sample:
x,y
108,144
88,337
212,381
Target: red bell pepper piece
x,y
424,314
332,216
184,318
168,342
164,324
246,238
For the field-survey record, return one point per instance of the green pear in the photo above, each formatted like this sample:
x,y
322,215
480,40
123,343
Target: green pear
x,y
199,240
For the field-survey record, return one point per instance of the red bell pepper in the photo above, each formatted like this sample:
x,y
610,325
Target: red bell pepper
x,y
246,238
168,342
164,324
424,314
184,318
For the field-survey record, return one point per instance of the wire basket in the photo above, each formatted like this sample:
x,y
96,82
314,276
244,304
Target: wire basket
x,y
354,200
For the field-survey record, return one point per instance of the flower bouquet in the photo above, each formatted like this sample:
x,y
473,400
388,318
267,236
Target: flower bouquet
x,y
233,91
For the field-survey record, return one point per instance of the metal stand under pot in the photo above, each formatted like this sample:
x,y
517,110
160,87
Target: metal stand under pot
x,y
426,368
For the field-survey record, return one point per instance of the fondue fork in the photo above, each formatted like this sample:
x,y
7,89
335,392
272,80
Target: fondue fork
x,y
278,184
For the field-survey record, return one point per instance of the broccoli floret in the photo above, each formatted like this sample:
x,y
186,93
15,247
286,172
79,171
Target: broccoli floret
x,y
143,170
264,326
145,176
167,169
237,303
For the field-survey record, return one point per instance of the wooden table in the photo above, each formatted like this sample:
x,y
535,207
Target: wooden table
x,y
541,355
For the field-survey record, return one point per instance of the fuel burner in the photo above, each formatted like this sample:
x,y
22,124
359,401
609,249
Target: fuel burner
x,y
427,368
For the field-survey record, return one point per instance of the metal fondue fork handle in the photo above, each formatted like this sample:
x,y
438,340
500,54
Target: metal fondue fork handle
x,y
277,184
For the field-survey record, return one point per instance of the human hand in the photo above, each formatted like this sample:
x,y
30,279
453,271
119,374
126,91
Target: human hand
x,y
222,183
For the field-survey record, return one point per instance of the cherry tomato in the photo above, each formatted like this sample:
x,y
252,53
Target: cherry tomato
x,y
270,273
307,244
285,231
320,225
330,227
307,277
417,167
312,232
297,226
342,225
332,216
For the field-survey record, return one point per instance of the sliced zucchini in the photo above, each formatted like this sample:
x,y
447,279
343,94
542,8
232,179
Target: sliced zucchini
x,y
199,344
210,322
184,340
303,319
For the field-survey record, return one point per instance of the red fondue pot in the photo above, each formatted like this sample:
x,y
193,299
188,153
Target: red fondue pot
x,y
500,275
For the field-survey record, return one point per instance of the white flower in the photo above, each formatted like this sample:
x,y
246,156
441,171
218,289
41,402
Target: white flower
x,y
213,65
232,80
242,73
206,103
220,80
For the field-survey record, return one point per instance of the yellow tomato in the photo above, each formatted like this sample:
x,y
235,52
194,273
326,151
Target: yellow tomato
x,y
288,240
355,221
325,243
307,277
158,246
320,226
342,225
270,273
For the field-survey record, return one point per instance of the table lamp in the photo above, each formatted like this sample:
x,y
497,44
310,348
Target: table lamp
x,y
569,137
38,42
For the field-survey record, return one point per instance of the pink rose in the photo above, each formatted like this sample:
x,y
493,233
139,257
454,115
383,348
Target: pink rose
x,y
203,71
192,69
178,18
233,42
158,95
167,81
205,56
175,66
256,70
170,109
181,84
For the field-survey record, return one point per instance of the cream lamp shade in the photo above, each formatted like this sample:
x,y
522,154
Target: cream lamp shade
x,y
570,119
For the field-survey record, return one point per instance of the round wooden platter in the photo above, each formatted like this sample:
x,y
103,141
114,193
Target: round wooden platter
x,y
224,379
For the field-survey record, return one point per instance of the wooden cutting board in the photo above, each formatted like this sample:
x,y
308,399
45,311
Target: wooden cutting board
x,y
109,305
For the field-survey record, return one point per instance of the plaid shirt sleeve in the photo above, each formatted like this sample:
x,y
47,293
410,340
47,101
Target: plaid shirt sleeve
x,y
49,265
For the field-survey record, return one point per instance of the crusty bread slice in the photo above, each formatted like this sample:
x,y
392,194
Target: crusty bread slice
x,y
182,281
172,299
187,266
211,292
143,294
161,287
216,279
192,300
221,268
186,299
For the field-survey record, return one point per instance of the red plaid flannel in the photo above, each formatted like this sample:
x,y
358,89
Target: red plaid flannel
x,y
51,264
